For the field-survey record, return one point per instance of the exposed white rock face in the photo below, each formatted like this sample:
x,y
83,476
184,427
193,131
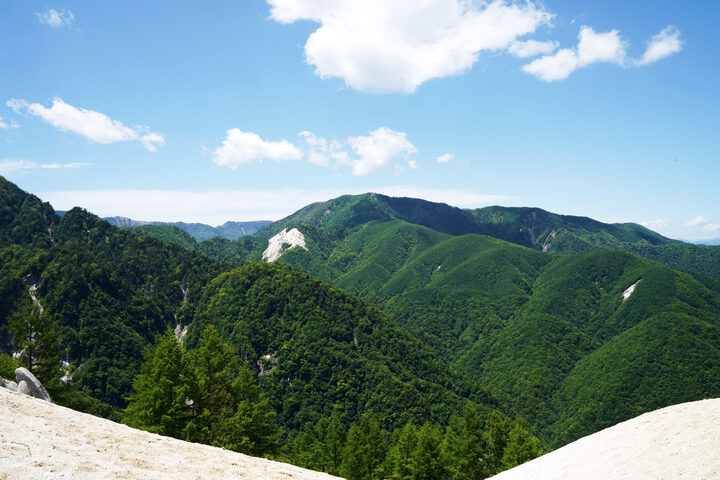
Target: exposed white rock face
x,y
180,332
630,290
678,442
282,242
39,440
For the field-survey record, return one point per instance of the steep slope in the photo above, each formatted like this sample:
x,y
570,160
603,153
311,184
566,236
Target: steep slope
x,y
530,227
680,441
587,350
110,292
42,440
168,234
323,351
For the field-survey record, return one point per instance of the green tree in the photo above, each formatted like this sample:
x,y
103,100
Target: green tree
x,y
165,391
427,462
232,411
401,455
522,446
465,446
35,338
355,456
498,429
214,365
333,442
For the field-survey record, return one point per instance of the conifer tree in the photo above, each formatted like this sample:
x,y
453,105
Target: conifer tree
x,y
165,391
36,338
427,463
333,444
497,429
355,456
232,412
401,455
522,446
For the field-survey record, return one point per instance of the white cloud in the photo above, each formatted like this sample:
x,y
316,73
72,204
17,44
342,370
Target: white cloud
x,y
363,154
219,206
606,47
95,126
323,152
240,148
553,67
395,46
531,48
600,47
695,222
662,45
378,149
5,125
657,223
445,158
592,48
56,19
712,227
11,166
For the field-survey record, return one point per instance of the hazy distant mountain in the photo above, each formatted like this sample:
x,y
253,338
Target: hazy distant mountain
x,y
199,231
713,241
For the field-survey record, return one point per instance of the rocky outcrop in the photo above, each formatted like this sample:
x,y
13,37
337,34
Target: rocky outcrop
x,y
40,440
283,241
681,441
27,384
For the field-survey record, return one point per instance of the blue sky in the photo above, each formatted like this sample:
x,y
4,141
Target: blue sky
x,y
251,109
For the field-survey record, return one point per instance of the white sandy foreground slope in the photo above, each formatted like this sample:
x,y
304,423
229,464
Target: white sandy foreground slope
x,y
678,442
39,440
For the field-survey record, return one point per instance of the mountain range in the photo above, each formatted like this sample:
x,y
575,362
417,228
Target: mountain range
x,y
199,231
399,308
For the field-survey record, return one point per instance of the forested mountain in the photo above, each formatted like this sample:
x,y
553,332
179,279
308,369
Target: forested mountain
x,y
529,324
109,292
453,323
199,231
529,227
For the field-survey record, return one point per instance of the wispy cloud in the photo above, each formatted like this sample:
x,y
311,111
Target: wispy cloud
x,y
395,46
608,47
445,158
657,223
55,18
695,222
8,166
364,154
219,206
94,126
6,125
592,48
532,48
662,45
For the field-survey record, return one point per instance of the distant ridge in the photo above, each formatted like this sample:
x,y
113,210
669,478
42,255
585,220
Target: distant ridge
x,y
199,231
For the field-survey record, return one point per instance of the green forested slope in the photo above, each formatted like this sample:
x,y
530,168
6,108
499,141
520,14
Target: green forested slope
x,y
110,292
530,227
547,335
327,351
577,357
168,234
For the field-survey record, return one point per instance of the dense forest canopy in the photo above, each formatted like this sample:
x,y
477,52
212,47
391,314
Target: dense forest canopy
x,y
407,327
